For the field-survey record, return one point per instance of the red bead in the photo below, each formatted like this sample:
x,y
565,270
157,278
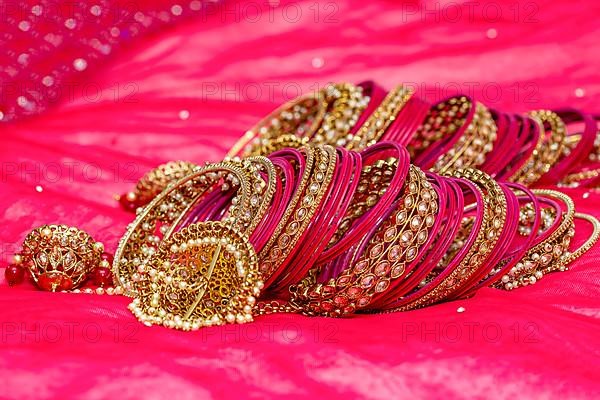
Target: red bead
x,y
54,282
126,204
102,277
14,274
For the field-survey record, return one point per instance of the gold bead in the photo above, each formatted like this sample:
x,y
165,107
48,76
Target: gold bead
x,y
99,247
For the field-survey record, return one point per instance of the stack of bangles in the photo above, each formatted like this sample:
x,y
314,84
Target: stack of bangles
x,y
345,201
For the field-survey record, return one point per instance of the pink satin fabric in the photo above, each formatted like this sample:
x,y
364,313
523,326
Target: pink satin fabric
x,y
188,92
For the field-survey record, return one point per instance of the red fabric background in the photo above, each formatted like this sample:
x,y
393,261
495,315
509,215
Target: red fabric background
x,y
228,70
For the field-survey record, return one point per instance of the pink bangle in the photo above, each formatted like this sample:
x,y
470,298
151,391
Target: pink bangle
x,y
464,249
379,151
579,153
527,140
519,251
407,122
327,219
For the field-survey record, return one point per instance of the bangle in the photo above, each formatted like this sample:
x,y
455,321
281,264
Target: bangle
x,y
276,255
550,254
445,228
326,116
590,242
472,147
347,102
492,211
300,118
577,147
395,243
528,225
356,226
327,219
162,215
373,129
547,151
446,118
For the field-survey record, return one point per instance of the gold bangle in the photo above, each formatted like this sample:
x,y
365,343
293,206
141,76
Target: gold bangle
x,y
348,102
266,267
375,126
574,179
396,243
161,216
471,149
323,117
590,242
297,218
442,120
300,117
494,217
548,150
549,255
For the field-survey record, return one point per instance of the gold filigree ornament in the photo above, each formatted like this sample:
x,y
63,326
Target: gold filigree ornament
x,y
60,257
247,184
206,274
